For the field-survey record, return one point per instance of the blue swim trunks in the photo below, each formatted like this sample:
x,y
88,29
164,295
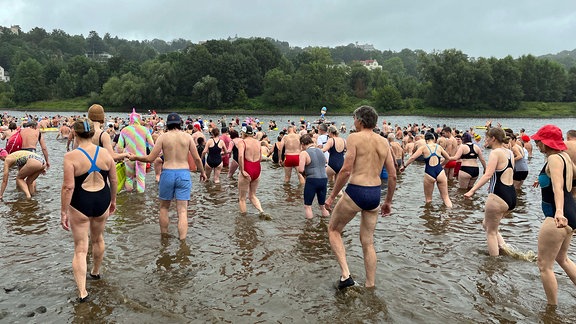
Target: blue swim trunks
x,y
175,184
365,197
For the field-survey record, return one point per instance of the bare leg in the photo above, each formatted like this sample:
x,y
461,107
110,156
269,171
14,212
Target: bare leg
x,y
324,211
367,226
32,169
243,187
550,241
308,212
80,226
182,207
232,168
97,238
343,213
464,180
164,221
217,173
493,213
428,188
252,195
208,170
442,184
287,174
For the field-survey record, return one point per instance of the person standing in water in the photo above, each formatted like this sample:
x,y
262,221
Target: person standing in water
x,y
559,208
367,152
88,197
175,181
502,195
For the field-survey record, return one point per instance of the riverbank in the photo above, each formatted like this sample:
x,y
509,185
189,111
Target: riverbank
x,y
526,110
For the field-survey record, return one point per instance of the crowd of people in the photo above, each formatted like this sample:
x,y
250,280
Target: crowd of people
x,y
345,176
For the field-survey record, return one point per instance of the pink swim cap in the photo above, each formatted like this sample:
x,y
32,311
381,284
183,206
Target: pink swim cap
x,y
3,152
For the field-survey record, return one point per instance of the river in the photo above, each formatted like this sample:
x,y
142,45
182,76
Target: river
x,y
433,265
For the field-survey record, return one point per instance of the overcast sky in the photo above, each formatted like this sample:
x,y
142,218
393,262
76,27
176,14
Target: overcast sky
x,y
480,28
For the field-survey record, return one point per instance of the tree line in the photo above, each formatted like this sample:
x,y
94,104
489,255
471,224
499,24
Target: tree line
x,y
266,74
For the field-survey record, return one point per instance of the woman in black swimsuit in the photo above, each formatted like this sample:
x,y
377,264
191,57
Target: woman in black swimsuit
x,y
502,195
469,153
88,198
213,151
559,208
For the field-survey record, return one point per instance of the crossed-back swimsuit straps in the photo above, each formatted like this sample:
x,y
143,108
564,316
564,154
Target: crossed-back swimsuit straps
x,y
91,203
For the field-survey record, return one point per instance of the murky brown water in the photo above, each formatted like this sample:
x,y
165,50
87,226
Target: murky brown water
x,y
432,263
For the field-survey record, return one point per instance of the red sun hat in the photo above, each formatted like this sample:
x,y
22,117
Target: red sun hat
x,y
551,136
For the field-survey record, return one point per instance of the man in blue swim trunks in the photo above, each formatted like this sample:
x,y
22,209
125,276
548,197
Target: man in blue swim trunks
x,y
367,152
175,181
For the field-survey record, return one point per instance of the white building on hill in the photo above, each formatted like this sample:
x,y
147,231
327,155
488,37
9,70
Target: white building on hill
x,y
4,77
371,64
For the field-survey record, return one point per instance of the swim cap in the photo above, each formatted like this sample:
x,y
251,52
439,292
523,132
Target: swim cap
x,y
3,153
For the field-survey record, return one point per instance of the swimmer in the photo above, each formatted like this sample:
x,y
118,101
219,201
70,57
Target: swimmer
x,y
249,165
30,165
88,198
433,171
312,165
559,208
502,195
367,153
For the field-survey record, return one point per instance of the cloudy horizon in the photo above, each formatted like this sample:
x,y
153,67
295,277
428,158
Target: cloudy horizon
x,y
479,29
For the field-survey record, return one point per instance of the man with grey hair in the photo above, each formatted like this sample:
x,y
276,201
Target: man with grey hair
x,y
367,153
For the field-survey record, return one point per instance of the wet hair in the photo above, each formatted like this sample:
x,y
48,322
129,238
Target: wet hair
x,y
84,128
498,134
306,139
367,116
429,136
201,140
447,129
571,133
215,132
234,133
12,126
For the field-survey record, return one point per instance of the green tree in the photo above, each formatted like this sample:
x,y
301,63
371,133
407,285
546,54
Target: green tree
x,y
571,85
90,82
278,88
160,83
29,84
387,98
506,90
65,87
359,81
125,91
206,92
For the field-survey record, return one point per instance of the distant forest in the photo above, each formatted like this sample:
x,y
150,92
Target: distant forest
x,y
266,74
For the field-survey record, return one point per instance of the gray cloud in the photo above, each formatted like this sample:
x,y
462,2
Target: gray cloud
x,y
481,28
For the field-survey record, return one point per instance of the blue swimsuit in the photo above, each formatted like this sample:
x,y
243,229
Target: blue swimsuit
x,y
548,205
336,159
432,171
365,197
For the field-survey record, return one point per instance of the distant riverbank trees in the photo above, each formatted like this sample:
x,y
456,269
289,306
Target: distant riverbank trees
x,y
265,74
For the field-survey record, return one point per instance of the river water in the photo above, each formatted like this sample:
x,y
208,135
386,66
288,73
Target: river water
x,y
433,265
